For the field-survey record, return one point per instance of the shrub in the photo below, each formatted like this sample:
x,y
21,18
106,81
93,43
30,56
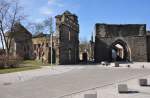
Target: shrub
x,y
9,61
2,61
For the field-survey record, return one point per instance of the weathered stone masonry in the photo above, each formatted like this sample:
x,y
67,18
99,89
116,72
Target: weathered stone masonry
x,y
132,36
21,44
67,30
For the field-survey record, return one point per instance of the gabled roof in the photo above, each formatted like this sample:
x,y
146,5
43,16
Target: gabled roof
x,y
40,34
18,28
67,12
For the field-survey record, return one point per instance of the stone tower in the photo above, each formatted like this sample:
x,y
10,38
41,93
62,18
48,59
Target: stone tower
x,y
67,30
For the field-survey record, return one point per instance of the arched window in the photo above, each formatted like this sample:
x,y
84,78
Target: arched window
x,y
69,35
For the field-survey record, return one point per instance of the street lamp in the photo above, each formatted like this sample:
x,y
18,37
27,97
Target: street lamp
x,y
51,39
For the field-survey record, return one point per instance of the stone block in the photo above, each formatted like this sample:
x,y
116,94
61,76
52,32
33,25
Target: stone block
x,y
90,96
116,64
122,88
143,82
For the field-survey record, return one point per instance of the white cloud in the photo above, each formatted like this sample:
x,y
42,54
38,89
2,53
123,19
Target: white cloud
x,y
27,3
51,1
55,3
51,8
38,20
46,10
37,10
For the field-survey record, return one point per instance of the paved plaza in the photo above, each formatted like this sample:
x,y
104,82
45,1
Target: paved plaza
x,y
73,81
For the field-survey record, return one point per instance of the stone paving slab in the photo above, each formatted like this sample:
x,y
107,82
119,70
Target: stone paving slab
x,y
133,85
111,91
73,81
27,75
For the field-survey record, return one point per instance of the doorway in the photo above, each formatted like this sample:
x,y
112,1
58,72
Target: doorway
x,y
120,51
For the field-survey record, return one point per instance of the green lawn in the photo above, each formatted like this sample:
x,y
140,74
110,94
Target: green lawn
x,y
35,63
25,65
10,70
32,62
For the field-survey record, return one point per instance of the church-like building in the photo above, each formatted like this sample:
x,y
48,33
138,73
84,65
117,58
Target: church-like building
x,y
65,42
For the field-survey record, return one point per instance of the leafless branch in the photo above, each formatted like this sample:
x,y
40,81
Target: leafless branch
x,y
9,15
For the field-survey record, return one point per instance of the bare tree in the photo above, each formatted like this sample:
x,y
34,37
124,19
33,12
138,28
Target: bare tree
x,y
10,13
1,38
45,26
48,24
36,27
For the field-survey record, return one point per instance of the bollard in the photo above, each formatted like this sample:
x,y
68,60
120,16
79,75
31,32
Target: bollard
x,y
143,82
116,64
90,96
122,88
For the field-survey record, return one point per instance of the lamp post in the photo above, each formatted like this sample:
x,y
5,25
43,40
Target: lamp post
x,y
51,49
51,39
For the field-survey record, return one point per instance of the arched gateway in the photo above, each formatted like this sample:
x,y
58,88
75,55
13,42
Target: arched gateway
x,y
114,42
120,51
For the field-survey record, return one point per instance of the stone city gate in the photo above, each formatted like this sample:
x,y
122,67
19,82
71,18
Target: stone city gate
x,y
127,42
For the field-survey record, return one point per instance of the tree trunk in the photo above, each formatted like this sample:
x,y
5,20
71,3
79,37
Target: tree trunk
x,y
2,41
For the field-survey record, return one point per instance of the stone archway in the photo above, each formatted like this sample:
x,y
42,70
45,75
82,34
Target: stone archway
x,y
120,51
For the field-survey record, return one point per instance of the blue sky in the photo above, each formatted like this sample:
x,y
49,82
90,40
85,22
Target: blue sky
x,y
91,12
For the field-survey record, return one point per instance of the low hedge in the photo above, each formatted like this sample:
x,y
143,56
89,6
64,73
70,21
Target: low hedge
x,y
9,61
